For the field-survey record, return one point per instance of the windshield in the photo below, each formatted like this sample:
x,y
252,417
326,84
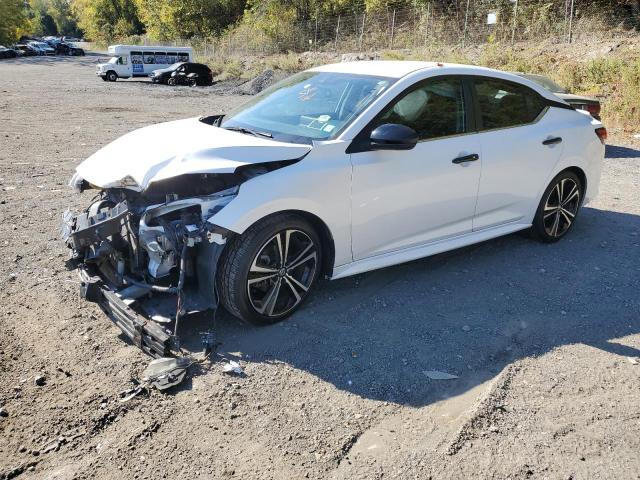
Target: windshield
x,y
546,83
308,106
174,66
113,60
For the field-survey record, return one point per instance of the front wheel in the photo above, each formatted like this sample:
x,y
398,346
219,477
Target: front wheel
x,y
558,207
112,76
171,82
265,274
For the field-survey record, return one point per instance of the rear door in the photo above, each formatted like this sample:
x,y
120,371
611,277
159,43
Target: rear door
x,y
520,147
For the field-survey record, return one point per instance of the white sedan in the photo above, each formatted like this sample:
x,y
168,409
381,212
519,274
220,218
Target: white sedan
x,y
334,171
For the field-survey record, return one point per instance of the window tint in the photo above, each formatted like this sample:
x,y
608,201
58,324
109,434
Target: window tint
x,y
161,58
434,109
149,57
504,104
183,57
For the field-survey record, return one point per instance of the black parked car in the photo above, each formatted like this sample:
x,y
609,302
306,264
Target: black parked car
x,y
7,52
67,49
26,50
204,74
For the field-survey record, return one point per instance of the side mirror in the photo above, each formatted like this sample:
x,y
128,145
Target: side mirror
x,y
392,136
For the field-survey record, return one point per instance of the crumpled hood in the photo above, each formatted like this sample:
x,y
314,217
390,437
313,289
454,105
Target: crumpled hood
x,y
170,149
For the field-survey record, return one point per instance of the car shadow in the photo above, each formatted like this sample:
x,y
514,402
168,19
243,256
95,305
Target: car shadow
x,y
617,151
468,312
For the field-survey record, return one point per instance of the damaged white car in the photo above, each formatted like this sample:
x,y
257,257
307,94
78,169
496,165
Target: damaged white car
x,y
334,171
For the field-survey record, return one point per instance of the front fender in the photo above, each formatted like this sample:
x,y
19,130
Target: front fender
x,y
320,184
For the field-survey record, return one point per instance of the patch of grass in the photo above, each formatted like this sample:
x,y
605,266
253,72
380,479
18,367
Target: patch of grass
x,y
290,63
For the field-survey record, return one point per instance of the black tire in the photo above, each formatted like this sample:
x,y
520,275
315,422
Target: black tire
x,y
171,82
247,260
558,208
111,76
105,79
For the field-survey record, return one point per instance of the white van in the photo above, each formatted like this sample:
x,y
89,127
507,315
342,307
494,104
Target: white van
x,y
136,61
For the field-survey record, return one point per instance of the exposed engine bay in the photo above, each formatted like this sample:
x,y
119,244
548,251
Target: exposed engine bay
x,y
149,258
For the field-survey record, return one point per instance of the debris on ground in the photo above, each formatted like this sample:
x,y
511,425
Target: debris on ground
x,y
40,380
633,360
436,375
3,412
232,367
165,372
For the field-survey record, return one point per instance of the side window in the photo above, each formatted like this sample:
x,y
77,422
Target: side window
x,y
161,58
149,57
505,104
434,109
183,57
136,58
122,60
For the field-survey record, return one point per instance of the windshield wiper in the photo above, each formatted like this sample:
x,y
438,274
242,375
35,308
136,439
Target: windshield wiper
x,y
248,131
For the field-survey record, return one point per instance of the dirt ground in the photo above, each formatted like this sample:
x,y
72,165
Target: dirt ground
x,y
545,339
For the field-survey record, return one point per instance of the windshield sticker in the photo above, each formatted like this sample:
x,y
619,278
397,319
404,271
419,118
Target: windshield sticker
x,y
307,93
328,128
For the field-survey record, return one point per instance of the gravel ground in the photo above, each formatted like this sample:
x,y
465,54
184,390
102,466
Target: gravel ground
x,y
544,338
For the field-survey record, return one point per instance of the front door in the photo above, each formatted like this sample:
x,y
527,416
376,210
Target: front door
x,y
402,199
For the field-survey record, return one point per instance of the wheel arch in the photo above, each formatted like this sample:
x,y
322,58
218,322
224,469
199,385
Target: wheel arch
x,y
582,176
322,229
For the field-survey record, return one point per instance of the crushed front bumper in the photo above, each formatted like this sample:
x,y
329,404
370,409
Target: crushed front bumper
x,y
143,332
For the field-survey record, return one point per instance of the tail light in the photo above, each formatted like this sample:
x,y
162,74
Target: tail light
x,y
602,134
593,109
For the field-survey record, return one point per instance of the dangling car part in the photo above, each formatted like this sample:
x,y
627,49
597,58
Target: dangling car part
x,y
334,171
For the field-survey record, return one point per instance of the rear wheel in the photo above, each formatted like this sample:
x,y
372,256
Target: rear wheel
x,y
265,274
112,76
558,208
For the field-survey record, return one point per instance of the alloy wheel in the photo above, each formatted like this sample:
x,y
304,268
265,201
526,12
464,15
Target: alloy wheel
x,y
282,272
561,207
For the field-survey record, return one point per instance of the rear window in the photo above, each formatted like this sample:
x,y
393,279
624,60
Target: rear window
x,y
505,104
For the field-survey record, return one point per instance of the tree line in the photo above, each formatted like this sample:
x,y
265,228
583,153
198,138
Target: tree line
x,y
107,20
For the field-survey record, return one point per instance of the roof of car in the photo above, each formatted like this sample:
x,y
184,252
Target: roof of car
x,y
398,68
383,68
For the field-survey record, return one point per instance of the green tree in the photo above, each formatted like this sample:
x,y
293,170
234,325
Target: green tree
x,y
169,19
64,16
13,21
105,20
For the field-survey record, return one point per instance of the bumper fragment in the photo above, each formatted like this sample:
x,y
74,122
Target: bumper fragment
x,y
146,334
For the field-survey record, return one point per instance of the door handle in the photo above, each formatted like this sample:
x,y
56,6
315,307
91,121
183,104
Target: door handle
x,y
467,158
552,141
